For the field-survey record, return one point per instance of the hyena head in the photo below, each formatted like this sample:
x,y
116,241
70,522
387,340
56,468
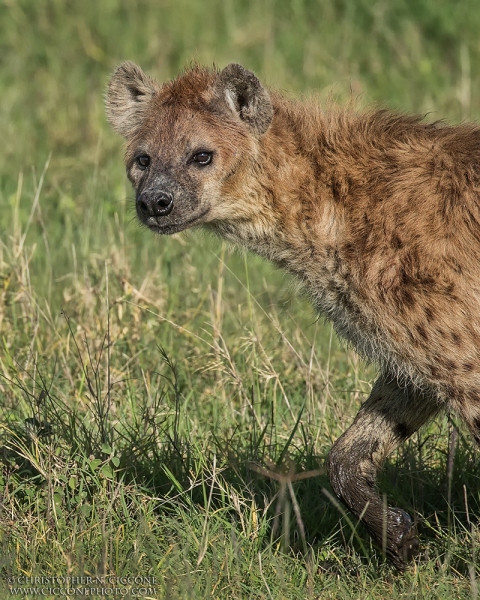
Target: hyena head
x,y
189,141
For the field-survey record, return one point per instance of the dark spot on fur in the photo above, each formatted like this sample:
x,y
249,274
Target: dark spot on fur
x,y
454,264
401,431
396,242
339,188
468,367
405,277
350,250
426,280
421,332
456,339
449,364
449,289
337,261
408,299
429,314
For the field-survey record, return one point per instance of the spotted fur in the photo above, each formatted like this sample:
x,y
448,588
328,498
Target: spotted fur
x,y
376,214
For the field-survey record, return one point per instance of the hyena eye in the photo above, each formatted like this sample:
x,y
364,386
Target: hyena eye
x,y
143,161
202,158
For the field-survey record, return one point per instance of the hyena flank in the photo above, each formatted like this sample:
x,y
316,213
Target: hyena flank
x,y
376,214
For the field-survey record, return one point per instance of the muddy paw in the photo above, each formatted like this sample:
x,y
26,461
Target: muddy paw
x,y
402,545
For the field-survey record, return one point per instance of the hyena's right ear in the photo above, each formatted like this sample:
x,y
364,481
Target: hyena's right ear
x,y
128,97
246,97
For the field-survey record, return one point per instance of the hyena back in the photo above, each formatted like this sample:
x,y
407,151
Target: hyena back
x,y
377,215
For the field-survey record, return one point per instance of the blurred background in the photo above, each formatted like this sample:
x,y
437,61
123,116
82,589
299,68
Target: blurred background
x,y
149,365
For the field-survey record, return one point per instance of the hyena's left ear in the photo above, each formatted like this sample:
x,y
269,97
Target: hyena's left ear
x,y
128,97
246,96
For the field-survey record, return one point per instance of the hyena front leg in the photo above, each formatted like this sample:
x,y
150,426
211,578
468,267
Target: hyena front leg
x,y
389,416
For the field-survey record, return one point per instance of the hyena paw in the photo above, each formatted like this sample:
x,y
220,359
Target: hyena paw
x,y
402,542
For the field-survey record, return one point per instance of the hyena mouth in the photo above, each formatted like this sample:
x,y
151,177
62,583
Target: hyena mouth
x,y
173,226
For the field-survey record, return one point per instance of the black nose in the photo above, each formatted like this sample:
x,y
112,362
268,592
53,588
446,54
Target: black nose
x,y
155,204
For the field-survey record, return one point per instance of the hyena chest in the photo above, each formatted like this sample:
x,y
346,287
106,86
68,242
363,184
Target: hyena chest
x,y
337,294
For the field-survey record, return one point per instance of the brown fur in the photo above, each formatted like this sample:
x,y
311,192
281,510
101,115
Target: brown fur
x,y
377,215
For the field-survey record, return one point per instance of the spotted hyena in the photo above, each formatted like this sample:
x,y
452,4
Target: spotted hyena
x,y
376,214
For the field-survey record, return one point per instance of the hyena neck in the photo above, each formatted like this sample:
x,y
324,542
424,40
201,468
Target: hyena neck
x,y
293,220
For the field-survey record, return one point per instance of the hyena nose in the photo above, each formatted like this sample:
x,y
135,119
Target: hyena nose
x,y
155,204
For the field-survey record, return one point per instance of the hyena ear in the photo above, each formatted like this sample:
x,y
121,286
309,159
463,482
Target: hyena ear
x,y
246,96
128,97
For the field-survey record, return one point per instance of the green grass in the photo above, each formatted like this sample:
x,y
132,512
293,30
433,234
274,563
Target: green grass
x,y
166,406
